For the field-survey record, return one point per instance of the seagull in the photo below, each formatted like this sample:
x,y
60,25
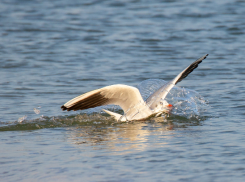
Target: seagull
x,y
130,99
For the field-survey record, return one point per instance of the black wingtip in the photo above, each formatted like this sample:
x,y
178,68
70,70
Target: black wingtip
x,y
193,66
63,108
205,56
202,58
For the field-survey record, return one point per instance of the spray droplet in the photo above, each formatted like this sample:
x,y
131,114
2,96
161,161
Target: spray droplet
x,y
21,119
36,111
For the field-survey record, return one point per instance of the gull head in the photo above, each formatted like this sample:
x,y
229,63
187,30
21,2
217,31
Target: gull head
x,y
162,106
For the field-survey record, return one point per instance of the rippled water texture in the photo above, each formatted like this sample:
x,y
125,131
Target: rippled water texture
x,y
53,51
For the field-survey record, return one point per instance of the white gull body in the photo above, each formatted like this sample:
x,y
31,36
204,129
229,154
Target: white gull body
x,y
130,99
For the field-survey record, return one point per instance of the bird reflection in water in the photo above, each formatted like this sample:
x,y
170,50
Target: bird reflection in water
x,y
126,136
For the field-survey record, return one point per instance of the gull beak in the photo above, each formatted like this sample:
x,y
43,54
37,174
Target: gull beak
x,y
170,105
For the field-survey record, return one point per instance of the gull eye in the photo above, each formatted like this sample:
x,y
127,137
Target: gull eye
x,y
161,103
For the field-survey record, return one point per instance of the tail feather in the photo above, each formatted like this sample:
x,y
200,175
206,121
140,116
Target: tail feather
x,y
115,115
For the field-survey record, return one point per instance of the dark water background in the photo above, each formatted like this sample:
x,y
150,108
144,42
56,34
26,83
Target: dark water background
x,y
52,51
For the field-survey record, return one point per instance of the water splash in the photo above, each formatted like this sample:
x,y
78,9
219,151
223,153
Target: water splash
x,y
186,102
36,111
21,119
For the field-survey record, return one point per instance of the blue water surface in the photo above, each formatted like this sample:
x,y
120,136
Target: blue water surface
x,y
53,51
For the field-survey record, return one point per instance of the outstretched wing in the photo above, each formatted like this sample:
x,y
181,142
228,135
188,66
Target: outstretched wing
x,y
188,70
162,92
124,96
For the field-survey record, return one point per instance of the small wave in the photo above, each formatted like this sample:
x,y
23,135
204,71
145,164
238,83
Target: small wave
x,y
93,120
56,121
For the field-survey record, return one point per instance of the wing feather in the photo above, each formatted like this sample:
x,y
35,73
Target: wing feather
x,y
189,69
122,95
162,92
